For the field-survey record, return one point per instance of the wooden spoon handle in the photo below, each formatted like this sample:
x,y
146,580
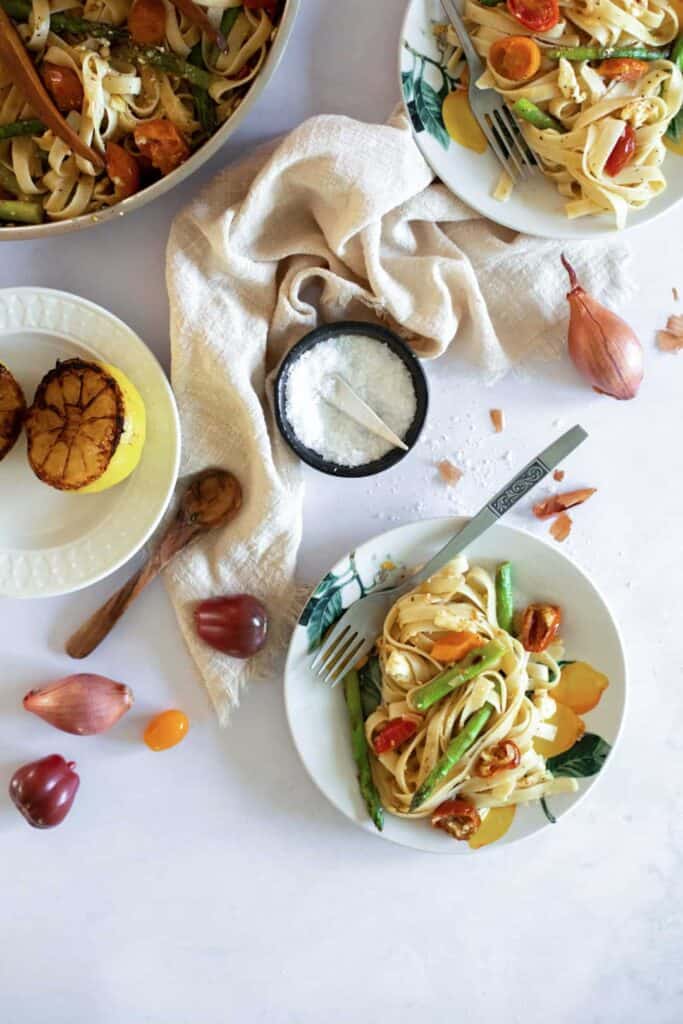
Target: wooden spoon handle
x,y
14,56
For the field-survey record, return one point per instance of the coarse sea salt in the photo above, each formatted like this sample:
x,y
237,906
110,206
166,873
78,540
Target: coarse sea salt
x,y
374,372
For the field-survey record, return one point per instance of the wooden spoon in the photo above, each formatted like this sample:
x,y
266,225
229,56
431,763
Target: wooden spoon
x,y
14,56
210,501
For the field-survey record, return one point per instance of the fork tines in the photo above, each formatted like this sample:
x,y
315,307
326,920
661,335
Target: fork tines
x,y
338,654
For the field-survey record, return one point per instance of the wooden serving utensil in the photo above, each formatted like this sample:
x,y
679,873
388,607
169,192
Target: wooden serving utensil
x,y
14,56
211,500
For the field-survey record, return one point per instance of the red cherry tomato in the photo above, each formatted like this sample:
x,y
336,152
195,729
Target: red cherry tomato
x,y
498,758
44,790
64,86
393,733
123,169
536,15
166,730
460,819
623,152
147,22
235,625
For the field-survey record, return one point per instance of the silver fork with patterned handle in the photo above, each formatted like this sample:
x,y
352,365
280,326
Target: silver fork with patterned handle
x,y
357,630
489,108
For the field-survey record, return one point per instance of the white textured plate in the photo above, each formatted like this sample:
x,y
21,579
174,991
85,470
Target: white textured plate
x,y
535,206
53,543
317,715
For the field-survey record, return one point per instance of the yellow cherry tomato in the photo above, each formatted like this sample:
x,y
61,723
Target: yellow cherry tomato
x,y
166,730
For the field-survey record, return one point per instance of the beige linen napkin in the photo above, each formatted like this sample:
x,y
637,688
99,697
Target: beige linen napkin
x,y
354,210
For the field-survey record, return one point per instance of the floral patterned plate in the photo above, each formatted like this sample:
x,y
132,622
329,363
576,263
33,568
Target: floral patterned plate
x,y
535,206
317,715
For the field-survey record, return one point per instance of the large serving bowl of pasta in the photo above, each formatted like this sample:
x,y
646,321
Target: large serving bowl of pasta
x,y
489,704
595,88
107,104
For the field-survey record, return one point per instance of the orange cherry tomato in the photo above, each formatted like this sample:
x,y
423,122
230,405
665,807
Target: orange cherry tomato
x,y
627,69
515,57
460,819
123,169
393,733
536,15
166,730
162,144
454,646
623,152
64,86
499,758
147,22
540,624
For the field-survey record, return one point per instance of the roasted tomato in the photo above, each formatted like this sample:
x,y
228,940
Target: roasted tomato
x,y
626,69
393,733
536,15
460,819
540,624
517,58
162,144
499,758
623,152
64,86
147,22
123,169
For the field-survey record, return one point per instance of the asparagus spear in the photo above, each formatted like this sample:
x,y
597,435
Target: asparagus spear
x,y
229,18
359,747
168,62
603,53
535,116
20,212
675,129
504,601
474,664
8,181
17,128
20,11
206,108
456,749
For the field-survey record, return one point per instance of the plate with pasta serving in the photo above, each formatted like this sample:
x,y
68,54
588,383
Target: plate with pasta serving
x,y
488,705
106,104
595,88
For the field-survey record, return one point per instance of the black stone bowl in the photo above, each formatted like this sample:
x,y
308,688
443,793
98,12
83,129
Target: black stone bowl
x,y
399,348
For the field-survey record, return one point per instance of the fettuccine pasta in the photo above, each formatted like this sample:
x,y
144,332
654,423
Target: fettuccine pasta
x,y
144,107
501,766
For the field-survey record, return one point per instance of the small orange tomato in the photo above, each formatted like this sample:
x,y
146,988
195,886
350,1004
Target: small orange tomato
x,y
166,730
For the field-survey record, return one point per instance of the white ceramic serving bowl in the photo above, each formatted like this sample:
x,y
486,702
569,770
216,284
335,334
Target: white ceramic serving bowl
x,y
204,153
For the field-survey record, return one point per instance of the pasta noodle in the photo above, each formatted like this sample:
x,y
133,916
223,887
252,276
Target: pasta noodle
x,y
519,688
593,109
121,91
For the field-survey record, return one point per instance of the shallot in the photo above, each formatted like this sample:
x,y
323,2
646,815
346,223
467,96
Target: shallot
x,y
82,704
602,346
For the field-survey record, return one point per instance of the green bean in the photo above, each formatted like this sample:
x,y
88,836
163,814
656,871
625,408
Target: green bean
x,y
472,665
535,116
18,128
20,212
456,750
505,608
576,53
359,747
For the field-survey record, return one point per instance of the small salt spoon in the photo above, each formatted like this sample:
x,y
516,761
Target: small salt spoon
x,y
342,396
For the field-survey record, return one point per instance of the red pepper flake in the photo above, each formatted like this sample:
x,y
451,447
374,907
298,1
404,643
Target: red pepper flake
x,y
671,340
497,419
561,527
449,473
561,502
558,475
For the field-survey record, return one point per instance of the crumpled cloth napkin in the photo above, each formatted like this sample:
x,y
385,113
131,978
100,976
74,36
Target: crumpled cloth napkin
x,y
354,210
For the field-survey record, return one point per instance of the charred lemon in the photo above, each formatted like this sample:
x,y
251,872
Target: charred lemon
x,y
86,427
12,411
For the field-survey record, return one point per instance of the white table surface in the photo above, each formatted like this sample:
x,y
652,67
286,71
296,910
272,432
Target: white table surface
x,y
214,883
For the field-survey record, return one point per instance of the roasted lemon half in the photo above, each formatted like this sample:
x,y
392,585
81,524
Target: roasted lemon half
x,y
86,427
12,411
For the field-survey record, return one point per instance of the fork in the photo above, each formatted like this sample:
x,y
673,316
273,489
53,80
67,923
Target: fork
x,y
489,108
356,632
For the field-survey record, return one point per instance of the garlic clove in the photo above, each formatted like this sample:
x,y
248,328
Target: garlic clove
x,y
81,704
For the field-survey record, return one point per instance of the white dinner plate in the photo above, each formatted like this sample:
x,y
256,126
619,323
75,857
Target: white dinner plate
x,y
535,206
317,715
53,542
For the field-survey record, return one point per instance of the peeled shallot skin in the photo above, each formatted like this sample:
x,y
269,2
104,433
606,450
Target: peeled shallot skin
x,y
602,346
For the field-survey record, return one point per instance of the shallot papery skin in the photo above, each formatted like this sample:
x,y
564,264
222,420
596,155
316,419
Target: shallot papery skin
x,y
81,704
602,346
44,790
